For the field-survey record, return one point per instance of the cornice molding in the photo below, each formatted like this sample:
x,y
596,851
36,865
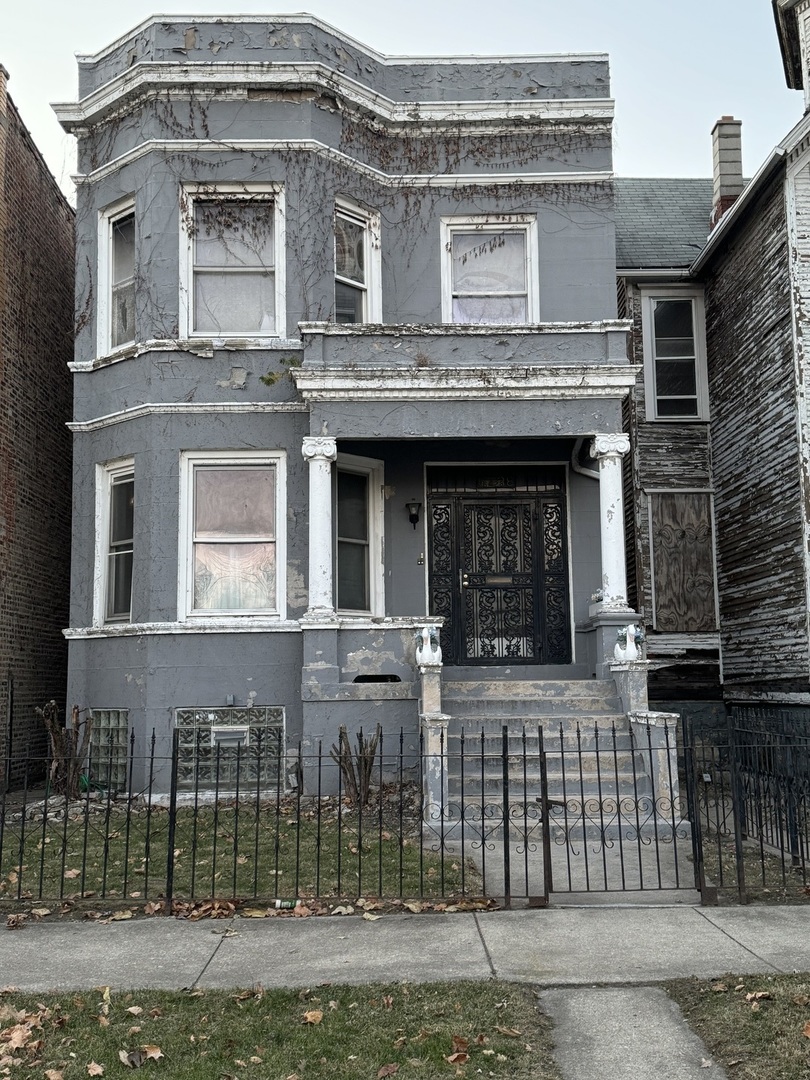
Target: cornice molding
x,y
187,408
515,382
146,78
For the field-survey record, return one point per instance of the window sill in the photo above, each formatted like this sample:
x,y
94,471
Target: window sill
x,y
225,625
201,347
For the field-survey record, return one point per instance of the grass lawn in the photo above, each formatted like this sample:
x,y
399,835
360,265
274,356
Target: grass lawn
x,y
283,849
756,1026
488,1029
769,876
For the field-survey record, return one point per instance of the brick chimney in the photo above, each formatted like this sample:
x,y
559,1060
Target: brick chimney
x,y
726,166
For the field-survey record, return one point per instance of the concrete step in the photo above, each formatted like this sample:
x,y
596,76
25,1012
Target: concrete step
x,y
531,708
580,732
531,689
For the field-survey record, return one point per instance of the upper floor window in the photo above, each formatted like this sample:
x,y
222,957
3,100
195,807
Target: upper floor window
x,y
116,274
357,265
232,524
115,541
489,270
674,355
232,263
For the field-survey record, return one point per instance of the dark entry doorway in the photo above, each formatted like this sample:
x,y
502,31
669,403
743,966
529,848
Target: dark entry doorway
x,y
499,563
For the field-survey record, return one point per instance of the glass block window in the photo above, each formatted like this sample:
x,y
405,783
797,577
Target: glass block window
x,y
108,748
222,748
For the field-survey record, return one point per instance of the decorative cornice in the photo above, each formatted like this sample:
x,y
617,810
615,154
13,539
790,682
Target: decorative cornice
x,y
400,330
440,180
516,382
187,408
319,448
145,78
202,348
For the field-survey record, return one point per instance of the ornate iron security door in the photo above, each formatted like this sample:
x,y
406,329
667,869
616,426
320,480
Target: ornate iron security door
x,y
498,567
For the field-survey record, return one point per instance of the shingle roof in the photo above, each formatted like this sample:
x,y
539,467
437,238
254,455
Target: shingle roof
x,y
661,223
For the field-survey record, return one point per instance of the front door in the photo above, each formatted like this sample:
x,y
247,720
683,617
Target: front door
x,y
499,563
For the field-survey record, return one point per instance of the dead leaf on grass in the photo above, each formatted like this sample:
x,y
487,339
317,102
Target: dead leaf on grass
x,y
152,1053
313,1016
72,873
94,1069
806,1030
513,1033
388,1070
719,988
801,999
54,1074
457,1059
757,995
136,1010
15,922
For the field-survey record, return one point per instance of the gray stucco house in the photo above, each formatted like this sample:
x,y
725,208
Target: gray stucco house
x,y
348,364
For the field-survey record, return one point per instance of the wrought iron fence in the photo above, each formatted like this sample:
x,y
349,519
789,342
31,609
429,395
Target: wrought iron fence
x,y
510,813
749,783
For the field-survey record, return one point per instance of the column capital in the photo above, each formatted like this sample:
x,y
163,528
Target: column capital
x,y
319,446
607,445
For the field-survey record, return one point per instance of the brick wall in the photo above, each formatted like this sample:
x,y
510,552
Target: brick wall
x,y
36,331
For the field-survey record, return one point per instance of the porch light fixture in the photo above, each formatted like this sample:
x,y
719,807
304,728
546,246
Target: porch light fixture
x,y
413,509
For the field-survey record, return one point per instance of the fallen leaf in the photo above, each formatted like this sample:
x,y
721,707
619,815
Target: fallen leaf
x,y
54,1074
400,1042
103,1021
94,1069
757,995
388,1070
342,909
152,1052
806,1030
719,988
253,913
40,912
801,999
413,906
117,916
72,873
513,1033
371,916
458,1059
314,1016
755,1006
705,1063
460,1044
388,1001
136,1010
133,1059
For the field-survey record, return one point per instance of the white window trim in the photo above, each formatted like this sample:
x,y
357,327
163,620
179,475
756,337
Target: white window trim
x,y
373,468
492,223
185,586
106,474
106,219
370,222
237,192
675,292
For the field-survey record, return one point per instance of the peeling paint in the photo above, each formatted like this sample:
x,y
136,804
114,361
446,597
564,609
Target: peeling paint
x,y
236,381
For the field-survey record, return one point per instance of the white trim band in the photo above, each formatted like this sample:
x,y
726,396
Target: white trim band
x,y
186,408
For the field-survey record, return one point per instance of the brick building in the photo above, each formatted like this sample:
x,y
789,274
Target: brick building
x,y
36,332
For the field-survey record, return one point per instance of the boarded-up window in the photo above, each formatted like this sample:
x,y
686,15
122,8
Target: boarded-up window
x,y
683,562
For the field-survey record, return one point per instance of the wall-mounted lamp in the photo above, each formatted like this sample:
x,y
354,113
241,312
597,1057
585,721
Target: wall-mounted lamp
x,y
413,509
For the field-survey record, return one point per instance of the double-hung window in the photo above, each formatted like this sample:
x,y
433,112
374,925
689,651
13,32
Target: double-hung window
x,y
489,270
232,526
115,543
358,531
232,263
674,355
357,265
116,307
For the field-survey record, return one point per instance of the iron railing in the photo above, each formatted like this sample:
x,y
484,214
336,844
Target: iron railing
x,y
512,813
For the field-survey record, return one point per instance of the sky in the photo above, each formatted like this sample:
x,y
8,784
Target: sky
x,y
676,66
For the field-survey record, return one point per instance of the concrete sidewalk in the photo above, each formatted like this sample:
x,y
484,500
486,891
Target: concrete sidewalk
x,y
594,965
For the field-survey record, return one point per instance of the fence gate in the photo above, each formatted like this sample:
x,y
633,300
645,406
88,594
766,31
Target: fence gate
x,y
583,810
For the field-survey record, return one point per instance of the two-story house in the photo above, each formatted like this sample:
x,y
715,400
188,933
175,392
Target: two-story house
x,y
348,363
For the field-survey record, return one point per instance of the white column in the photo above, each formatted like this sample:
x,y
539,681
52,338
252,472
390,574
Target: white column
x,y
609,451
320,452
